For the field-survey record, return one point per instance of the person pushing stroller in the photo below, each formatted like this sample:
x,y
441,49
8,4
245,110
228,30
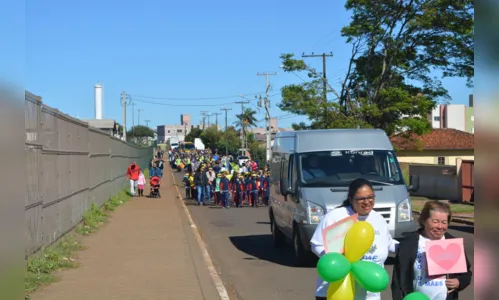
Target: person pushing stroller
x,y
155,173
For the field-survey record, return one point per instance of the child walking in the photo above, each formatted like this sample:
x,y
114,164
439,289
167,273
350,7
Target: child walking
x,y
141,182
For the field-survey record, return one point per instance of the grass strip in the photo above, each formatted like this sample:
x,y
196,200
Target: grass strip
x,y
41,266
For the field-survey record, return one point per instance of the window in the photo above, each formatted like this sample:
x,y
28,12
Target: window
x,y
473,118
292,171
441,160
436,118
168,131
473,130
285,167
339,168
179,130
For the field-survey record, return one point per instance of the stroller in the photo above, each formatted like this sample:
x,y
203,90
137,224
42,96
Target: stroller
x,y
155,183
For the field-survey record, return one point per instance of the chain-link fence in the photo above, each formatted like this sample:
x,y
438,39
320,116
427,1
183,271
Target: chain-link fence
x,y
69,166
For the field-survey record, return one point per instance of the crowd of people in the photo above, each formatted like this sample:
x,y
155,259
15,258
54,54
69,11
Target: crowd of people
x,y
212,178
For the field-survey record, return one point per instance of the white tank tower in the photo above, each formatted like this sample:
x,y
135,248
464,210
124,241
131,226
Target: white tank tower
x,y
98,101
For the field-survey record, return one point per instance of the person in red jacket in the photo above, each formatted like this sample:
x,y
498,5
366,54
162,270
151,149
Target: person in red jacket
x,y
132,173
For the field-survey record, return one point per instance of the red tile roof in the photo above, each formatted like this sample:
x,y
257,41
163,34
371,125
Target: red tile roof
x,y
437,139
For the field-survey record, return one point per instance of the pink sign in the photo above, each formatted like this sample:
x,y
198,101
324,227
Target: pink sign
x,y
334,235
445,257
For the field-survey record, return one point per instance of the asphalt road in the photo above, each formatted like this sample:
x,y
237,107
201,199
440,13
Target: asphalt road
x,y
240,245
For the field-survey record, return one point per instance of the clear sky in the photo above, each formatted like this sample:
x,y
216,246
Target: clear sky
x,y
185,50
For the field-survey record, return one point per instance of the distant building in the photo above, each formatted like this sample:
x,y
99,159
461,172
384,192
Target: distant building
x,y
108,125
260,132
454,116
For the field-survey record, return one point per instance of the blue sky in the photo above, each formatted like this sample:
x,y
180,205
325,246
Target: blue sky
x,y
187,50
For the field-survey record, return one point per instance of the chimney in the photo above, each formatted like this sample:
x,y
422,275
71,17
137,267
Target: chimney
x,y
98,101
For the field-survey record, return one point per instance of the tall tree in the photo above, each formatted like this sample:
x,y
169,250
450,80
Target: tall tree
x,y
140,131
231,140
193,134
245,120
396,45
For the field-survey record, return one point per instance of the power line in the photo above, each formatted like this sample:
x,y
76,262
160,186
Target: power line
x,y
191,99
179,105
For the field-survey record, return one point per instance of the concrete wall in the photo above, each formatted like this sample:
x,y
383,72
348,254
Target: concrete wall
x,y
69,166
437,181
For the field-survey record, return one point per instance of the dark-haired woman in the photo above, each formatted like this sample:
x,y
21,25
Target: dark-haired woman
x,y
360,201
410,269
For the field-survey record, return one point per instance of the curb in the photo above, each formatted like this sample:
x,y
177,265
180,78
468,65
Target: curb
x,y
222,291
455,220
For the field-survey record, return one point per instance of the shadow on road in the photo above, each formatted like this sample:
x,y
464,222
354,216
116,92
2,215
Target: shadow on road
x,y
261,247
467,229
263,223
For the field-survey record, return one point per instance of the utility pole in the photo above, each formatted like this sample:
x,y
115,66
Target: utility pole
x,y
138,117
208,116
204,113
133,119
243,131
226,139
124,103
147,123
266,104
216,118
324,78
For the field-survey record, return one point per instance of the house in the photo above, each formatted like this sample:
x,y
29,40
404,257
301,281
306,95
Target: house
x,y
441,146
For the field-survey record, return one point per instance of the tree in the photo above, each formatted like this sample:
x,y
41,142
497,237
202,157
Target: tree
x,y
193,134
140,131
210,137
233,141
395,47
245,120
257,149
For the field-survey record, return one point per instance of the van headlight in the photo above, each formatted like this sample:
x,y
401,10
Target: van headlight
x,y
404,211
315,212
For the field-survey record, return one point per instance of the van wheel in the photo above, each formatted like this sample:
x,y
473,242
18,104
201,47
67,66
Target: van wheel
x,y
277,235
303,258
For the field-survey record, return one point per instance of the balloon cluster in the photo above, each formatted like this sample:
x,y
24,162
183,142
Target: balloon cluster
x,y
341,271
416,296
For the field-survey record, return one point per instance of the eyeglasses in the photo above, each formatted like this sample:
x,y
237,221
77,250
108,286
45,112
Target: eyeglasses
x,y
369,198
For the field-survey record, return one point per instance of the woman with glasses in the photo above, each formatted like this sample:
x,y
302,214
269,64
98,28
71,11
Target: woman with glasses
x,y
360,200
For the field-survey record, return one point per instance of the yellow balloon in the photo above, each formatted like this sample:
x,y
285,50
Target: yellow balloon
x,y
358,240
342,289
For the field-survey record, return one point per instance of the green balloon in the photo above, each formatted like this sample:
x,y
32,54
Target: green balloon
x,y
370,276
333,267
416,296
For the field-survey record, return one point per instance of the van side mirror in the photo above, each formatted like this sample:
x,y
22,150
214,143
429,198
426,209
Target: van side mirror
x,y
414,183
284,187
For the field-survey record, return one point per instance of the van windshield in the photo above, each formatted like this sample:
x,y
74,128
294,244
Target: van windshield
x,y
339,168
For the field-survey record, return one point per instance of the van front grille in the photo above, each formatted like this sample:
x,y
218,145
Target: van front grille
x,y
385,212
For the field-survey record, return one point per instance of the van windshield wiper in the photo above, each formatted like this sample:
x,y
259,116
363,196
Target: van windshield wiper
x,y
380,182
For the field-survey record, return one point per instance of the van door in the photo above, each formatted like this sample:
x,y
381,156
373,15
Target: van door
x,y
279,199
290,202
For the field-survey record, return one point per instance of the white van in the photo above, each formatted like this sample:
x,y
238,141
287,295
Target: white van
x,y
310,174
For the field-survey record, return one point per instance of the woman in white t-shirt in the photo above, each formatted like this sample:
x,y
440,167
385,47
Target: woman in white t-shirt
x,y
360,200
410,268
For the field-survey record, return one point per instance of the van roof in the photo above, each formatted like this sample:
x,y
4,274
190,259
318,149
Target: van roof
x,y
331,139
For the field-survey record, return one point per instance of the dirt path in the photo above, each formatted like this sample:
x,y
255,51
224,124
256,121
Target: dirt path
x,y
147,251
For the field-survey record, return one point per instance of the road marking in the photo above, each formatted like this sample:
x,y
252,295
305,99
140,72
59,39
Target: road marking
x,y
222,291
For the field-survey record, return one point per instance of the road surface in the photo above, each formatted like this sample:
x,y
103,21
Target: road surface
x,y
240,245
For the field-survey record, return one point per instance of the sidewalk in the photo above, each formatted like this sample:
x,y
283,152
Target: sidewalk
x,y
147,251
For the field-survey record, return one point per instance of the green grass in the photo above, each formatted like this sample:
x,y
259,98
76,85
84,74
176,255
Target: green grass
x,y
61,255
456,208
